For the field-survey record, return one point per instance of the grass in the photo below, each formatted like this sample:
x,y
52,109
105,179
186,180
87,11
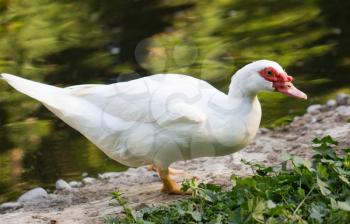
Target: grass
x,y
297,191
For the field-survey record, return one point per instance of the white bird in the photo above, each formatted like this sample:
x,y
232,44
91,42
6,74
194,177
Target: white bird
x,y
164,118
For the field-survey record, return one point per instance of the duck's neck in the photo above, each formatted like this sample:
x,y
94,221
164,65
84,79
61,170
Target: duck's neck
x,y
242,88
243,95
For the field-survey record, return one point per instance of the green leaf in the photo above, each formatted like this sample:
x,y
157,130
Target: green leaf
x,y
196,216
344,205
270,204
328,140
323,187
344,179
333,203
322,171
233,181
257,208
318,211
301,192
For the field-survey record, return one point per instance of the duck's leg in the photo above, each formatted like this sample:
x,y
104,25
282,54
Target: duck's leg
x,y
172,171
151,167
169,185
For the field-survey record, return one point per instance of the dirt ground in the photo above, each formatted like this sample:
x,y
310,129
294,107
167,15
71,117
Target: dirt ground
x,y
92,202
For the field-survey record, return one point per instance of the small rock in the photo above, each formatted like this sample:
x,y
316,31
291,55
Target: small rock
x,y
89,180
264,131
132,170
271,157
291,138
313,120
141,206
84,174
296,118
319,132
32,195
93,214
10,205
75,184
342,99
62,185
109,175
331,103
314,109
343,111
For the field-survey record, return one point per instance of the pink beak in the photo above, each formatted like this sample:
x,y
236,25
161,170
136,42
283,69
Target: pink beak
x,y
289,89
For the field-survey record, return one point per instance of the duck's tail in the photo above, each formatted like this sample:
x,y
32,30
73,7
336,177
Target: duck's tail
x,y
76,112
33,89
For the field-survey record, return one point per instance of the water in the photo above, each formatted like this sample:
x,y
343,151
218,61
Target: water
x,y
108,42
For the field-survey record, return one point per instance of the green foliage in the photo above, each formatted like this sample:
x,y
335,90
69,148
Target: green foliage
x,y
316,191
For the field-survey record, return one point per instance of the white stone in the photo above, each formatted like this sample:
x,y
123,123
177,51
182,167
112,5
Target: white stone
x,y
331,103
109,175
32,195
10,205
313,120
342,99
75,184
343,111
314,109
89,180
62,185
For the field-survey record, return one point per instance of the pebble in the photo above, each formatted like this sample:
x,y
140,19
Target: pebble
x,y
291,138
10,205
62,185
75,184
314,109
319,132
271,157
264,131
313,120
93,214
342,99
343,111
109,175
331,103
296,118
32,195
89,180
303,133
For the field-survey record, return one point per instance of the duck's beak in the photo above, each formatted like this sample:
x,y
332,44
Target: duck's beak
x,y
289,89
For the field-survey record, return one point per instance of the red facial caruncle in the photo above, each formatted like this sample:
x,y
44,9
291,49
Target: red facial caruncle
x,y
270,74
282,82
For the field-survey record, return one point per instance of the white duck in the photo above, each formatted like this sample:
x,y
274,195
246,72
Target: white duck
x,y
164,118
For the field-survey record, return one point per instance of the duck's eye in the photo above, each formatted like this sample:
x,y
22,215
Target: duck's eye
x,y
269,73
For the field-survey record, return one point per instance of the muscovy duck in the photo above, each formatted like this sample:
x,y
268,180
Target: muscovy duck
x,y
164,118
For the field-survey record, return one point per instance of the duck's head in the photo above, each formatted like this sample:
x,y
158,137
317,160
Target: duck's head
x,y
265,75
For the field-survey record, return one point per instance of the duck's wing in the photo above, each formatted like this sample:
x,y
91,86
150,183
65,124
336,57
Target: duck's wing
x,y
162,99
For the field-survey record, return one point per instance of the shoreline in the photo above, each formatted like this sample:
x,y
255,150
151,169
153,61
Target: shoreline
x,y
90,201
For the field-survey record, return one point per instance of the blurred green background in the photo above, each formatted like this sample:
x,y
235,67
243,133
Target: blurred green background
x,y
74,42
